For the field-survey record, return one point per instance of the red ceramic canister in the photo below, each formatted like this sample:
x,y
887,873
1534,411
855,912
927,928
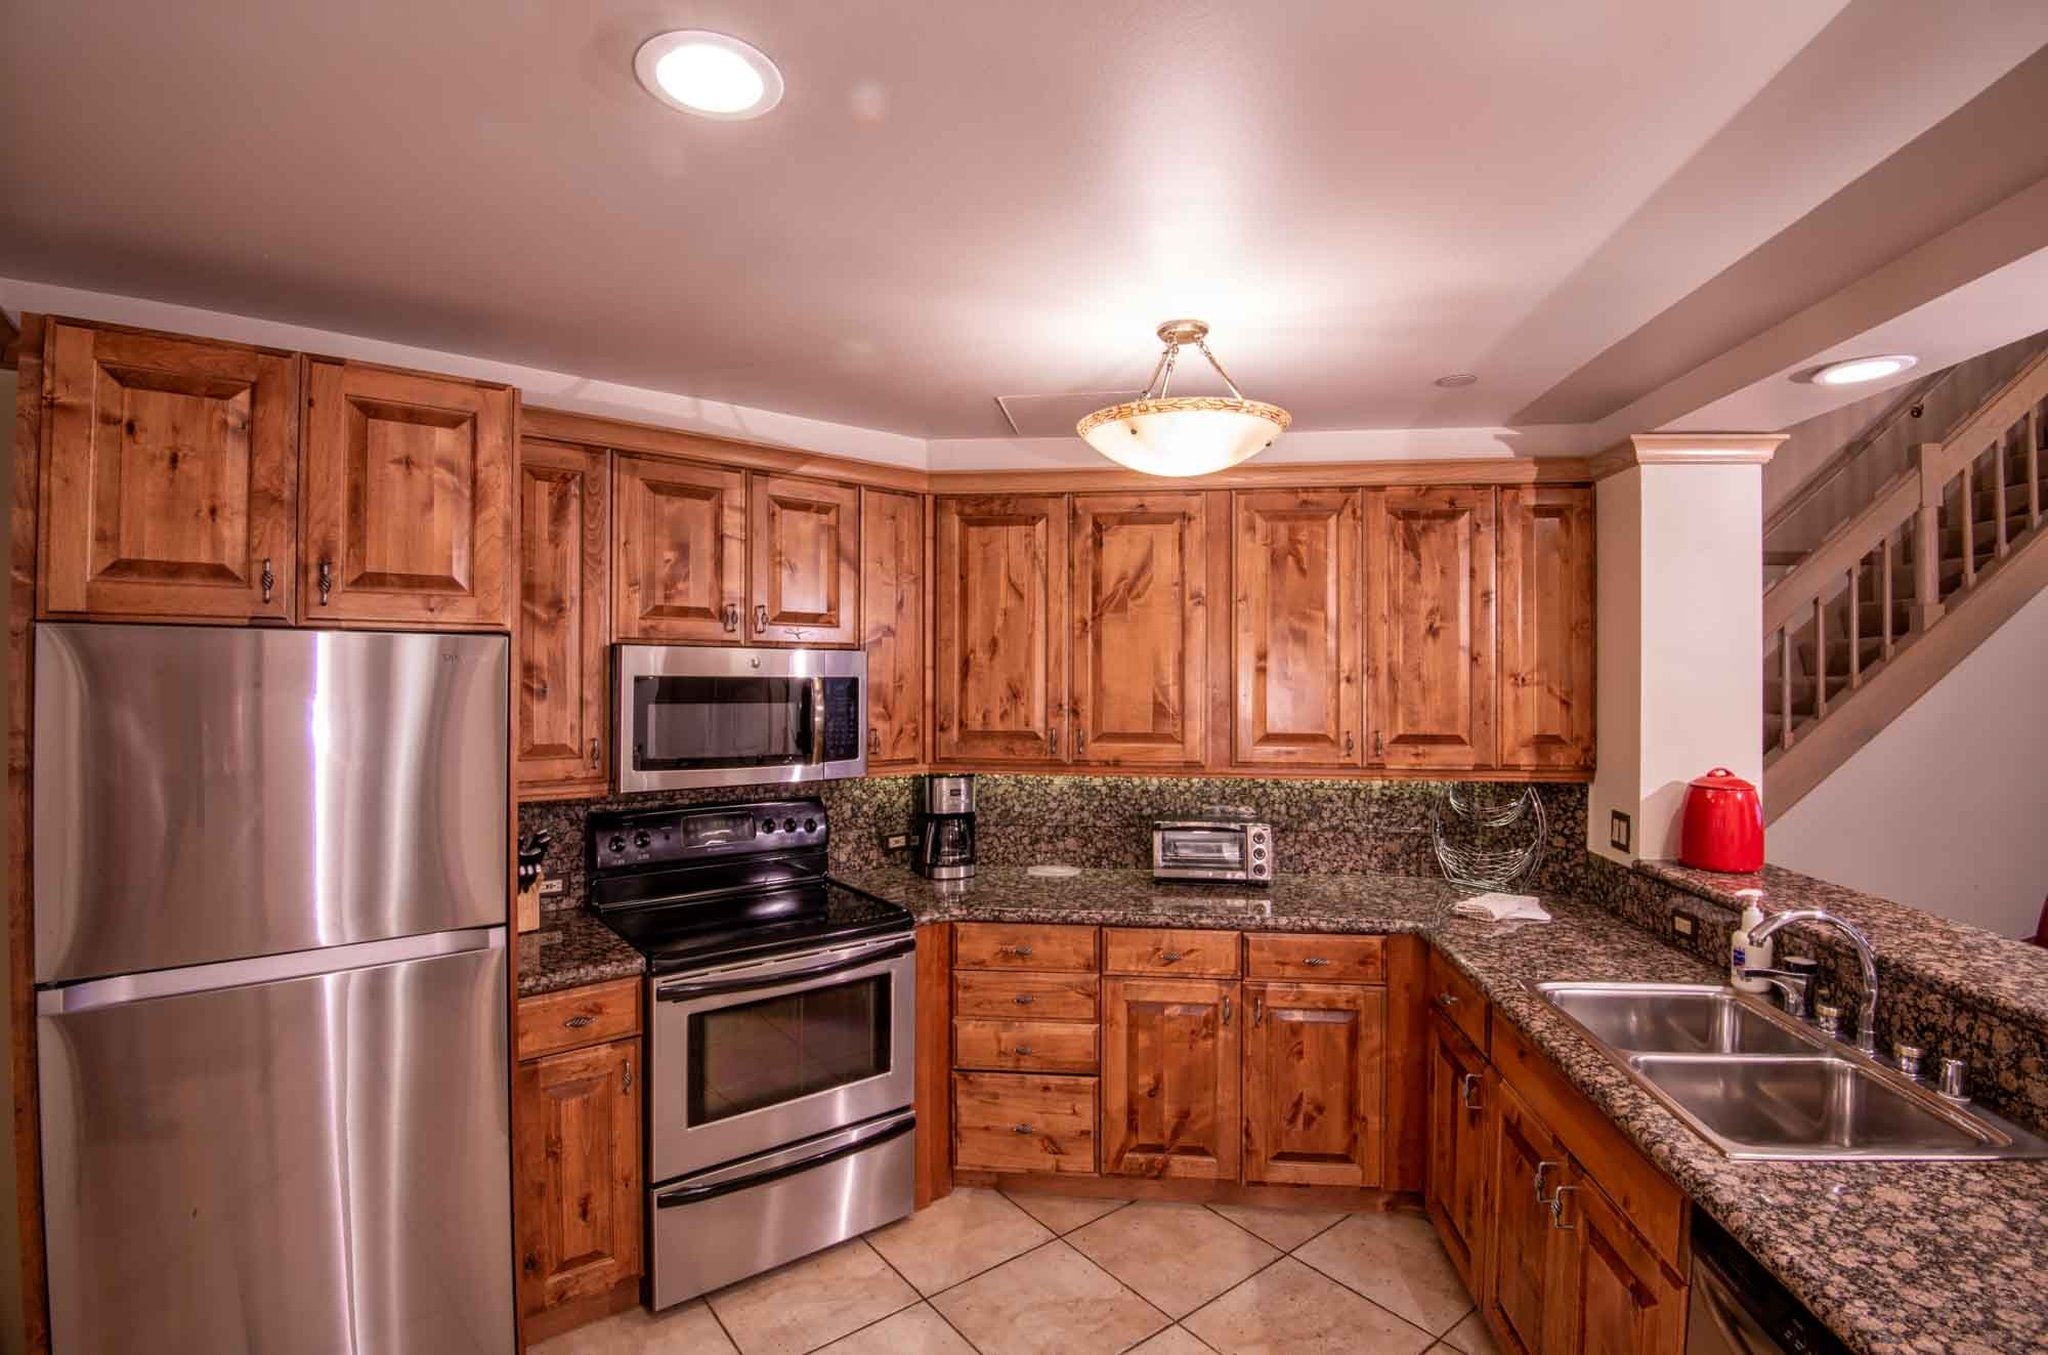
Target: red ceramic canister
x,y
1724,824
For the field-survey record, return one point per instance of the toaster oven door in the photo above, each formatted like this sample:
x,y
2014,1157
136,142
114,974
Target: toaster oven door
x,y
1218,853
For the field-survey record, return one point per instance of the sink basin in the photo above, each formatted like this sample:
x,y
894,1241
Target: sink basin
x,y
1671,1018
1811,1106
1757,1084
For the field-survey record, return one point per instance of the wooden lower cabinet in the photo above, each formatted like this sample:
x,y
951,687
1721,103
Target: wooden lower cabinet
x,y
1460,1089
1527,1163
1611,1294
1016,1122
576,1118
1170,1077
1314,1093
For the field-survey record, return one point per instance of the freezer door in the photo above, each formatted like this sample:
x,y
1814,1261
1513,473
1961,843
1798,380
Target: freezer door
x,y
206,793
310,1164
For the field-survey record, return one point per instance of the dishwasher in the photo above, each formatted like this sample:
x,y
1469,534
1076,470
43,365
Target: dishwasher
x,y
1740,1308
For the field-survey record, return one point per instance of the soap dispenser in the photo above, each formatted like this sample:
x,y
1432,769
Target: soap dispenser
x,y
1746,954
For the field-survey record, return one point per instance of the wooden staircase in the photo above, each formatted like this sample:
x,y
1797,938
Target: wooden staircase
x,y
1897,595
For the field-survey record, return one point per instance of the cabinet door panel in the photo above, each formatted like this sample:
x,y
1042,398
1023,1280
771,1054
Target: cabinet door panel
x,y
804,542
1140,627
170,485
1170,1078
1430,640
1523,1246
892,605
1460,1088
1314,1079
1546,627
680,551
1000,629
564,615
1612,1296
407,498
1298,613
577,1128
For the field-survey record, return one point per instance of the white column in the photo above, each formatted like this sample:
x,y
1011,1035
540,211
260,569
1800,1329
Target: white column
x,y
1680,617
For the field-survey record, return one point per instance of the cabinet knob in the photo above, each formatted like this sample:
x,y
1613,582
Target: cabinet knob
x,y
626,1076
540,689
594,758
1348,743
1467,1086
1024,999
1024,1051
1379,745
1258,1011
1446,999
1080,742
326,577
874,742
1021,952
1226,1010
269,578
730,617
760,618
1020,1129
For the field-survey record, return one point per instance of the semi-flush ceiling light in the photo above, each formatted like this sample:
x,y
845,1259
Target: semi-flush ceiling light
x,y
1183,434
708,74
1857,370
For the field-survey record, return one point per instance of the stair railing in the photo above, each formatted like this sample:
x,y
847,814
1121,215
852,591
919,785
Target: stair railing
x,y
1871,546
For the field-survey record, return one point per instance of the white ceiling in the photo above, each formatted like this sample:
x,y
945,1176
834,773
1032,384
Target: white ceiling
x,y
962,201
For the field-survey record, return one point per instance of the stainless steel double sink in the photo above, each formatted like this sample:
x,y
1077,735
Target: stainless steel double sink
x,y
1759,1085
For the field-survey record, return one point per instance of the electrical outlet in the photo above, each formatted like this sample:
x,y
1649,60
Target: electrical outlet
x,y
549,887
896,842
1618,830
1684,925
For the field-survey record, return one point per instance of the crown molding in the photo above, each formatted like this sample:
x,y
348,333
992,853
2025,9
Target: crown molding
x,y
1687,449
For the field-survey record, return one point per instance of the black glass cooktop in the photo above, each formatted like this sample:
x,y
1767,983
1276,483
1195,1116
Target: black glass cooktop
x,y
699,932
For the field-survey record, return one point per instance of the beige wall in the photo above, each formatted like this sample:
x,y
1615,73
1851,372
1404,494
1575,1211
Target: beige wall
x,y
1947,808
11,1337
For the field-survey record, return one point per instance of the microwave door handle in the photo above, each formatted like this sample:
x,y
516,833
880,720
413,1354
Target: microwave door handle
x,y
684,992
818,740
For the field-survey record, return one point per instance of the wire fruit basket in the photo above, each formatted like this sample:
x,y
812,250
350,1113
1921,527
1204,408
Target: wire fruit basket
x,y
1488,837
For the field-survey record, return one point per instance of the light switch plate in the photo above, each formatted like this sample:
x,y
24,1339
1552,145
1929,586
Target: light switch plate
x,y
896,842
1684,925
552,886
1618,830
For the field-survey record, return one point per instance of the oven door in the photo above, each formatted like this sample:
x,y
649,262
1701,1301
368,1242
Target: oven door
x,y
755,1056
1217,853
711,717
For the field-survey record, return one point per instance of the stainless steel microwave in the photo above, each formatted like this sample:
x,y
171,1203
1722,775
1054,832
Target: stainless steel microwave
x,y
718,716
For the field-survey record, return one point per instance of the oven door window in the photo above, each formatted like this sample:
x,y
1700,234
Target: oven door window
x,y
683,722
1219,850
759,1054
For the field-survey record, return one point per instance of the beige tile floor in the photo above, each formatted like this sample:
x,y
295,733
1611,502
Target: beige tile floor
x,y
994,1274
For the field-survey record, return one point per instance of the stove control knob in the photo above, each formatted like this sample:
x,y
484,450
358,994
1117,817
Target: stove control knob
x,y
640,839
617,844
810,825
789,825
767,825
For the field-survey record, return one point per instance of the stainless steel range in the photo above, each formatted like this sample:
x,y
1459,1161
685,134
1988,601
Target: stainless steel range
x,y
781,1012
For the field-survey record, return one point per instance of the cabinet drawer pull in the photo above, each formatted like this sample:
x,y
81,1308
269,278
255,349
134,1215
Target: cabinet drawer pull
x,y
1557,1209
1316,962
1169,957
1446,999
730,617
1021,1129
1023,1051
1259,1010
269,578
579,1022
1024,999
1379,745
1226,1011
593,751
760,618
1080,742
326,576
1466,1086
1348,743
1542,1170
541,689
626,1082
874,742
1021,952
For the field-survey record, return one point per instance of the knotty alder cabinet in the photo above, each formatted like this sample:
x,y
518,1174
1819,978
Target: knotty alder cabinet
x,y
1432,630
892,581
564,617
190,480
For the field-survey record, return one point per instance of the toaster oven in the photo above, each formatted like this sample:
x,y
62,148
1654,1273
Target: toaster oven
x,y
1213,849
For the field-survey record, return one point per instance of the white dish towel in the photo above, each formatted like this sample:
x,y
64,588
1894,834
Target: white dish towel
x,y
1502,908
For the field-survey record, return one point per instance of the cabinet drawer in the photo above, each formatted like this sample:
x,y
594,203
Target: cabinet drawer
x,y
1025,1046
1018,1122
1453,994
1007,945
1317,959
1037,997
578,1016
1160,950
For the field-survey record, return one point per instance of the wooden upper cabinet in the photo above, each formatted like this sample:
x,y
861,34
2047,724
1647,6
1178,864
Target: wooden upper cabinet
x,y
170,485
1314,1083
1170,1078
679,551
804,545
406,499
892,607
1000,628
1296,618
576,1126
1612,1295
1430,627
1524,1253
564,610
1546,627
1141,627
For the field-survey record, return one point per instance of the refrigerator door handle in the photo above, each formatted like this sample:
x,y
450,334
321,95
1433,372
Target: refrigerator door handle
x,y
298,964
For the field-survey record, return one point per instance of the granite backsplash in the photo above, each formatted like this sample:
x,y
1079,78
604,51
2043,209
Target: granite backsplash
x,y
1321,827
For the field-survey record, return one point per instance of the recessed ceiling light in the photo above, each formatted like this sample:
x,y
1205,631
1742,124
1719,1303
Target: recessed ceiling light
x,y
1457,380
1856,370
708,74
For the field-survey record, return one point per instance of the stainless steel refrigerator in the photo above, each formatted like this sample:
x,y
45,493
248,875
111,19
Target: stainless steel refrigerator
x,y
270,908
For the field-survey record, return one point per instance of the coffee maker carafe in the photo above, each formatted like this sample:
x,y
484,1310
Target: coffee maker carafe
x,y
945,839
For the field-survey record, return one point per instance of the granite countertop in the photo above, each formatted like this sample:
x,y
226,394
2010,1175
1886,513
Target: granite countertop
x,y
573,948
1923,1257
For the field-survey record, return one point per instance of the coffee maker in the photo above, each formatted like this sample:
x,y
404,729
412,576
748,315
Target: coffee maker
x,y
945,838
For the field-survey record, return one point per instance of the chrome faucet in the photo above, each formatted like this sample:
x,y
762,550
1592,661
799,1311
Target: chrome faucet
x,y
1794,982
1866,1020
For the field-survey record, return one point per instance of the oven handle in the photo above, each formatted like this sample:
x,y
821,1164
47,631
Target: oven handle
x,y
843,1144
776,978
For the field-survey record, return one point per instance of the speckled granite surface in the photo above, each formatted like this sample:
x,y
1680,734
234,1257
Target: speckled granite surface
x,y
572,949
